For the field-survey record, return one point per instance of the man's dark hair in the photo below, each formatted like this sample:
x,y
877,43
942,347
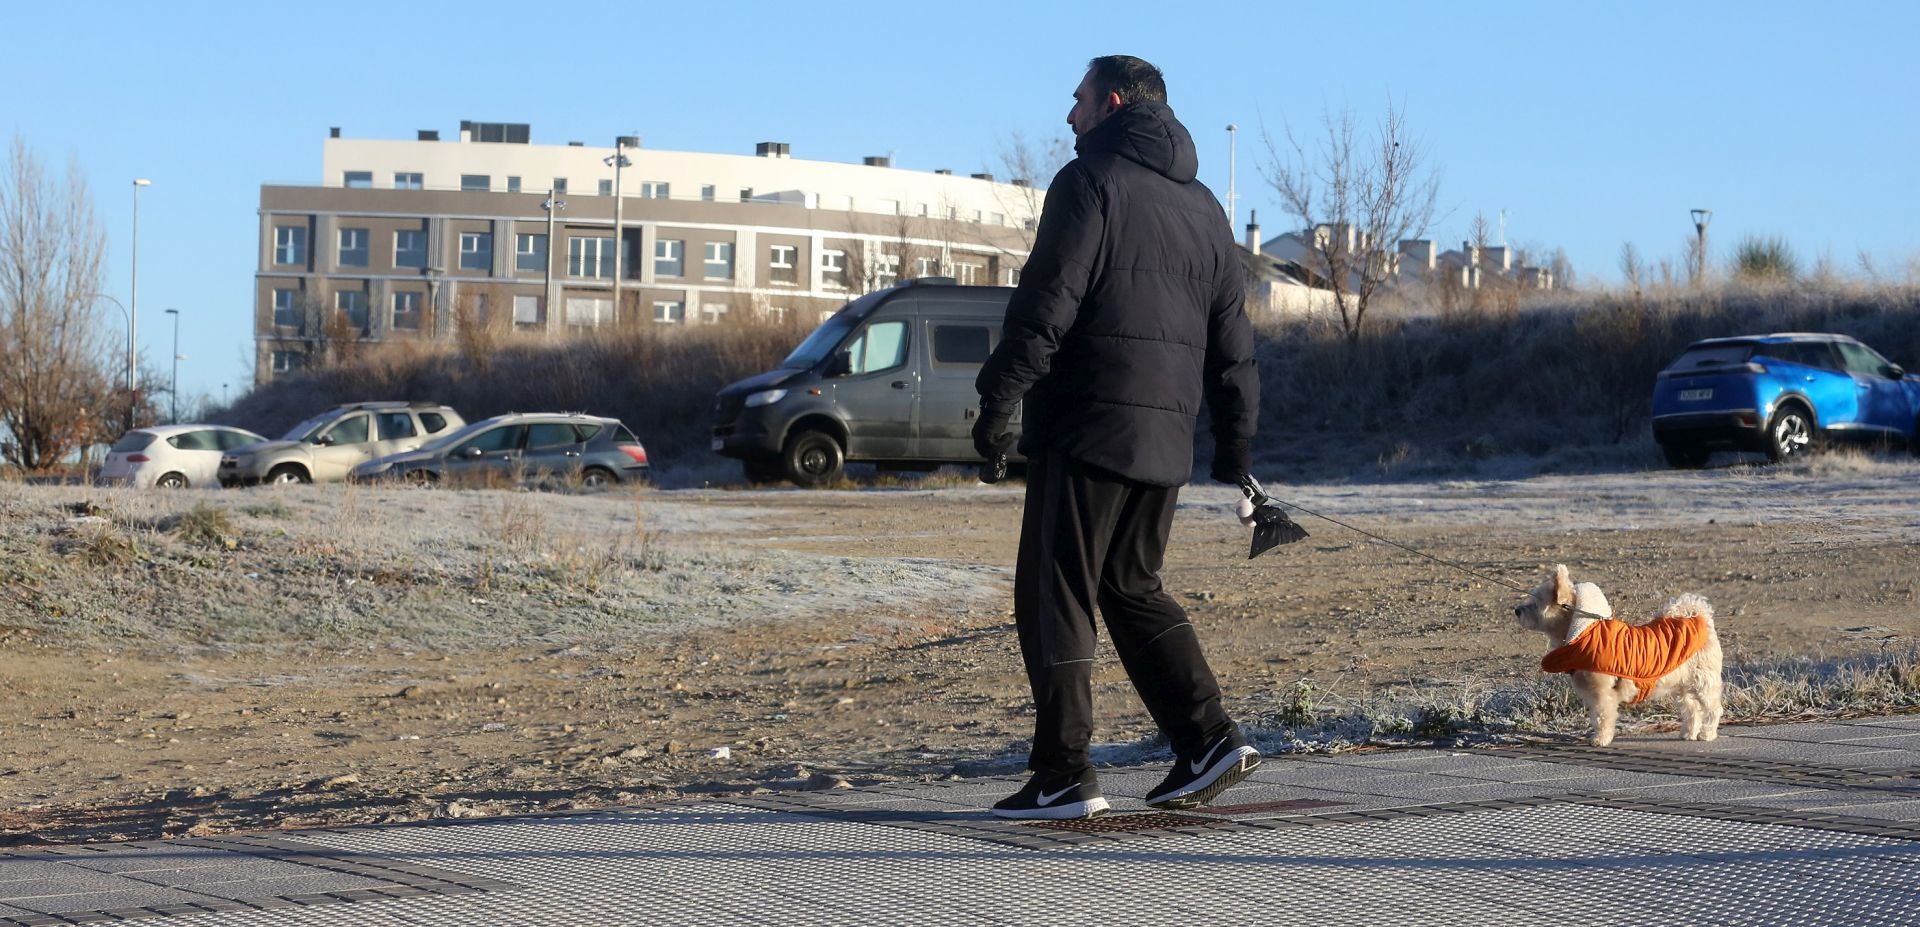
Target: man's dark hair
x,y
1133,79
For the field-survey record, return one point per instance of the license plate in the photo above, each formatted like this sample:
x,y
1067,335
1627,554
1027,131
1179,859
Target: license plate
x,y
718,443
1695,395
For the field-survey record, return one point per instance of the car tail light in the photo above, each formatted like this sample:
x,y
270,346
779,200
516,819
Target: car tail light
x,y
138,458
635,451
1747,419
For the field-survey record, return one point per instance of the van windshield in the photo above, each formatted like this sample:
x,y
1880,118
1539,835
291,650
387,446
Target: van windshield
x,y
823,340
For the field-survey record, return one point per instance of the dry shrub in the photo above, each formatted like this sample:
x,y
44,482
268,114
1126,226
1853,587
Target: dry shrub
x,y
207,526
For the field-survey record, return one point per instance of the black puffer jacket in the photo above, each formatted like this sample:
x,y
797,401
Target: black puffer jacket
x,y
1129,310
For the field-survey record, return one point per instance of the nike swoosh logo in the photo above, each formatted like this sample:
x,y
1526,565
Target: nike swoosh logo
x,y
1202,763
1043,799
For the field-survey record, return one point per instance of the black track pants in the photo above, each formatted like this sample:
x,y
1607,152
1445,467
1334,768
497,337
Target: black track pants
x,y
1089,537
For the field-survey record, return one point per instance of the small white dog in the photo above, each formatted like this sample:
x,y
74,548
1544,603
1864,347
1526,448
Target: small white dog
x,y
1675,656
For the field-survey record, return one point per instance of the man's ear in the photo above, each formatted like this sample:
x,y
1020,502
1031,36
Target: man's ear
x,y
1114,103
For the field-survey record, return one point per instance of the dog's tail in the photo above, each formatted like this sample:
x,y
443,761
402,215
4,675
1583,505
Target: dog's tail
x,y
1688,605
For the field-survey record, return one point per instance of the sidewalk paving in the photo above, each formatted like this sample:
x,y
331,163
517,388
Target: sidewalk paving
x,y
1804,824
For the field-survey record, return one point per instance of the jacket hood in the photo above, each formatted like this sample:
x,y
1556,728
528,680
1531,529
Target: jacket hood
x,y
1146,134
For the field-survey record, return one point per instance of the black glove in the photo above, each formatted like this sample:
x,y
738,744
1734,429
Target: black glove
x,y
1231,461
992,433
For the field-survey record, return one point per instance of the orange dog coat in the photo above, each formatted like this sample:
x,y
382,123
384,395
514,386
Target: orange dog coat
x,y
1642,653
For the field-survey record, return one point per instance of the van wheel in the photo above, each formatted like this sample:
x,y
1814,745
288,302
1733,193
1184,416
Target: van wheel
x,y
813,459
763,469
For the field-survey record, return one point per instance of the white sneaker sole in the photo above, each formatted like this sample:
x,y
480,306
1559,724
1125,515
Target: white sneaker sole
x,y
1071,811
1224,773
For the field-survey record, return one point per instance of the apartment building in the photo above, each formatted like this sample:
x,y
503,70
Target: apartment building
x,y
412,239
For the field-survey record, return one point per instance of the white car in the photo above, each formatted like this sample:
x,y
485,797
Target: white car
x,y
172,456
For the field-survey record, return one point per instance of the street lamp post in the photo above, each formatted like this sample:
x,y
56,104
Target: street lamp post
x,y
1700,219
617,160
551,205
133,314
174,389
1233,171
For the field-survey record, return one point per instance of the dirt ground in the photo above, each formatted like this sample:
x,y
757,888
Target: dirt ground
x,y
119,743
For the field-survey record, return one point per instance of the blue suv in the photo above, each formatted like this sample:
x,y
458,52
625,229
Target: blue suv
x,y
1781,394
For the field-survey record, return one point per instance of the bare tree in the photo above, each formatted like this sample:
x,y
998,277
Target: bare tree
x,y
55,387
1026,163
1358,198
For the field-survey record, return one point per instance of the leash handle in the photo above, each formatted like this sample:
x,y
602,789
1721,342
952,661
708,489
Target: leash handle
x,y
995,470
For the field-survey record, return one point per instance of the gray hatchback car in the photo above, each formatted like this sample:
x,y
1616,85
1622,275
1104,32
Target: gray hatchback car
x,y
530,447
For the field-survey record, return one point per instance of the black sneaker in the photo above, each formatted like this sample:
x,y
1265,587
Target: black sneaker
x,y
1193,783
1055,798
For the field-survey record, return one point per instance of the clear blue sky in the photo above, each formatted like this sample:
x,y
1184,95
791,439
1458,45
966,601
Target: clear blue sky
x,y
1591,124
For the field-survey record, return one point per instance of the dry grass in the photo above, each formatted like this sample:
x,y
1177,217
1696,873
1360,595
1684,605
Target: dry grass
x,y
1304,719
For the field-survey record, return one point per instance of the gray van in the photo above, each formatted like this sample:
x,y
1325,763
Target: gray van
x,y
888,379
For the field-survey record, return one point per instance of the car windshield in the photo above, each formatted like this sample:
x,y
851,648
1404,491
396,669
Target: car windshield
x,y
305,430
1713,355
823,340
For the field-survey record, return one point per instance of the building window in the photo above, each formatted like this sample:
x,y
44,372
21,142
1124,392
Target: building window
x,y
833,269
780,261
1013,276
410,248
924,211
719,263
775,314
606,188
359,180
965,274
886,272
590,257
476,183
530,253
890,207
669,257
706,193
286,311
513,184
746,194
406,180
406,311
671,313
559,184
998,218
476,251
290,245
352,305
285,361
926,267
526,310
653,189
589,311
712,313
353,247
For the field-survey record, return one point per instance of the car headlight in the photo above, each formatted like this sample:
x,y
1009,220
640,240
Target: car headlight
x,y
765,397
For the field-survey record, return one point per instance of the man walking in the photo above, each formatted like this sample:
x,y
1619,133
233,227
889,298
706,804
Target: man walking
x,y
1129,311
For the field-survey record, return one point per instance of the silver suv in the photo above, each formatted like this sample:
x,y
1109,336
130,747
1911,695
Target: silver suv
x,y
538,448
328,446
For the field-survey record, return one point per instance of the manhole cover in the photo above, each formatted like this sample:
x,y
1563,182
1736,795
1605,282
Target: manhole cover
x,y
1129,823
1292,804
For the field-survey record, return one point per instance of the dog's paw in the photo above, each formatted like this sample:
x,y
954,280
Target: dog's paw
x,y
1600,740
1709,734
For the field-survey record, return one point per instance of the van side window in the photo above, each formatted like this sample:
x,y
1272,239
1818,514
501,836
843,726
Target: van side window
x,y
881,346
961,344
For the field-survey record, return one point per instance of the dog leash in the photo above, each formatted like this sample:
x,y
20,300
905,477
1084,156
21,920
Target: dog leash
x,y
1400,546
